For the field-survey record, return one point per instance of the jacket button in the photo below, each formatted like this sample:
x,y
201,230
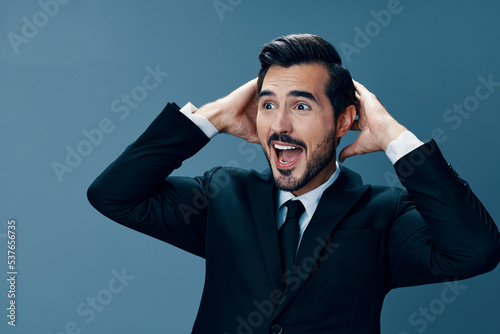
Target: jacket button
x,y
277,329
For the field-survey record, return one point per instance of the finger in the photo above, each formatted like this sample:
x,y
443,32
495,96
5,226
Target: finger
x,y
355,126
357,95
360,111
252,82
347,152
359,87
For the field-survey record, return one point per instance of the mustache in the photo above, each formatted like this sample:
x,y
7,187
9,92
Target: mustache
x,y
286,139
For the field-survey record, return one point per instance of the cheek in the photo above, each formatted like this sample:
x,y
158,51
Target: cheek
x,y
308,131
314,134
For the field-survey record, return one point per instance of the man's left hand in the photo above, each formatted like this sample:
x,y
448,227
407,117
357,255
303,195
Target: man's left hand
x,y
377,126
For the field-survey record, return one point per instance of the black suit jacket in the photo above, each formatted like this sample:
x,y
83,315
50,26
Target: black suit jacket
x,y
362,241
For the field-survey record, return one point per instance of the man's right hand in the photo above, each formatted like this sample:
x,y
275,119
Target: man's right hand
x,y
235,113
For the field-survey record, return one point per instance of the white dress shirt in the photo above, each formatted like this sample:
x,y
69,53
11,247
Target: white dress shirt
x,y
405,143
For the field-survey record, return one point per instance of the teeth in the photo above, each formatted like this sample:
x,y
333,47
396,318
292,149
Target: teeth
x,y
281,147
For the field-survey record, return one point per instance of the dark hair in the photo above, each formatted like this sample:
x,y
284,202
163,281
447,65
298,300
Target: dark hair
x,y
299,49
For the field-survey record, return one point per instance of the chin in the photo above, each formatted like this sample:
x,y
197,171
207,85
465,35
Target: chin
x,y
286,179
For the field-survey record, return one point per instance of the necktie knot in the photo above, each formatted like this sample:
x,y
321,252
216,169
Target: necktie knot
x,y
295,209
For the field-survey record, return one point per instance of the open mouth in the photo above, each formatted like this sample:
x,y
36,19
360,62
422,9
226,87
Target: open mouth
x,y
286,155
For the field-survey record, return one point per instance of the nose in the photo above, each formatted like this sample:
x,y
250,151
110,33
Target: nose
x,y
282,122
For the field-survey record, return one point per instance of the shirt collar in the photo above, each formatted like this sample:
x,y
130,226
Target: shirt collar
x,y
311,198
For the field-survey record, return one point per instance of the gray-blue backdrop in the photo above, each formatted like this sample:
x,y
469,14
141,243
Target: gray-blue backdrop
x,y
71,67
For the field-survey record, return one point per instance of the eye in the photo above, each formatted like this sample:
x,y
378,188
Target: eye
x,y
303,106
268,105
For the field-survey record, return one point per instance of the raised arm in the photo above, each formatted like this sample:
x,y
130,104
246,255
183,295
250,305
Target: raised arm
x,y
442,230
135,191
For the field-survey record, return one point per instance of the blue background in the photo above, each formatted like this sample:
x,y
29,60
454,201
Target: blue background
x,y
63,78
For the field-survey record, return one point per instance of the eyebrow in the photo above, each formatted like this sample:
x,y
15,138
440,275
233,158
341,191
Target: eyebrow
x,y
298,93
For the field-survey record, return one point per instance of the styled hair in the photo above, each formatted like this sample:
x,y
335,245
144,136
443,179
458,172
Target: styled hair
x,y
300,49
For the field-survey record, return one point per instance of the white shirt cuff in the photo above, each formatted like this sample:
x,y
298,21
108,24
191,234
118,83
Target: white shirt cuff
x,y
405,143
202,122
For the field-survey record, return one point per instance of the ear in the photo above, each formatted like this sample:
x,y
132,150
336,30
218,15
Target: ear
x,y
345,120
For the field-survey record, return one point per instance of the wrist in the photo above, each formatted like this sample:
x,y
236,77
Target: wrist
x,y
390,133
213,112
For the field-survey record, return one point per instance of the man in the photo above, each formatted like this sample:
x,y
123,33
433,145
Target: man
x,y
304,247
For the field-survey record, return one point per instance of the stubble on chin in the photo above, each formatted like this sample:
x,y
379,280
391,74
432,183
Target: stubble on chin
x,y
285,180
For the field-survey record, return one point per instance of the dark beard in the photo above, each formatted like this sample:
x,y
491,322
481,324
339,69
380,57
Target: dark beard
x,y
319,160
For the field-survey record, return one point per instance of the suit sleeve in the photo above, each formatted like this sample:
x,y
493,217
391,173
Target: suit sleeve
x,y
133,191
441,231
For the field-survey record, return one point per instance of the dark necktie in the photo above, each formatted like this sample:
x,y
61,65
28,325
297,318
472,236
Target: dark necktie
x,y
289,233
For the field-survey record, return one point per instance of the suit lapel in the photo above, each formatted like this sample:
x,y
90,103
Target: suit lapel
x,y
262,193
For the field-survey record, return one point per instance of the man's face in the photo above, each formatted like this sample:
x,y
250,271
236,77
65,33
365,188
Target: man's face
x,y
296,127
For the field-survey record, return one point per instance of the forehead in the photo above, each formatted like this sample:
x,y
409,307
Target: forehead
x,y
308,77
